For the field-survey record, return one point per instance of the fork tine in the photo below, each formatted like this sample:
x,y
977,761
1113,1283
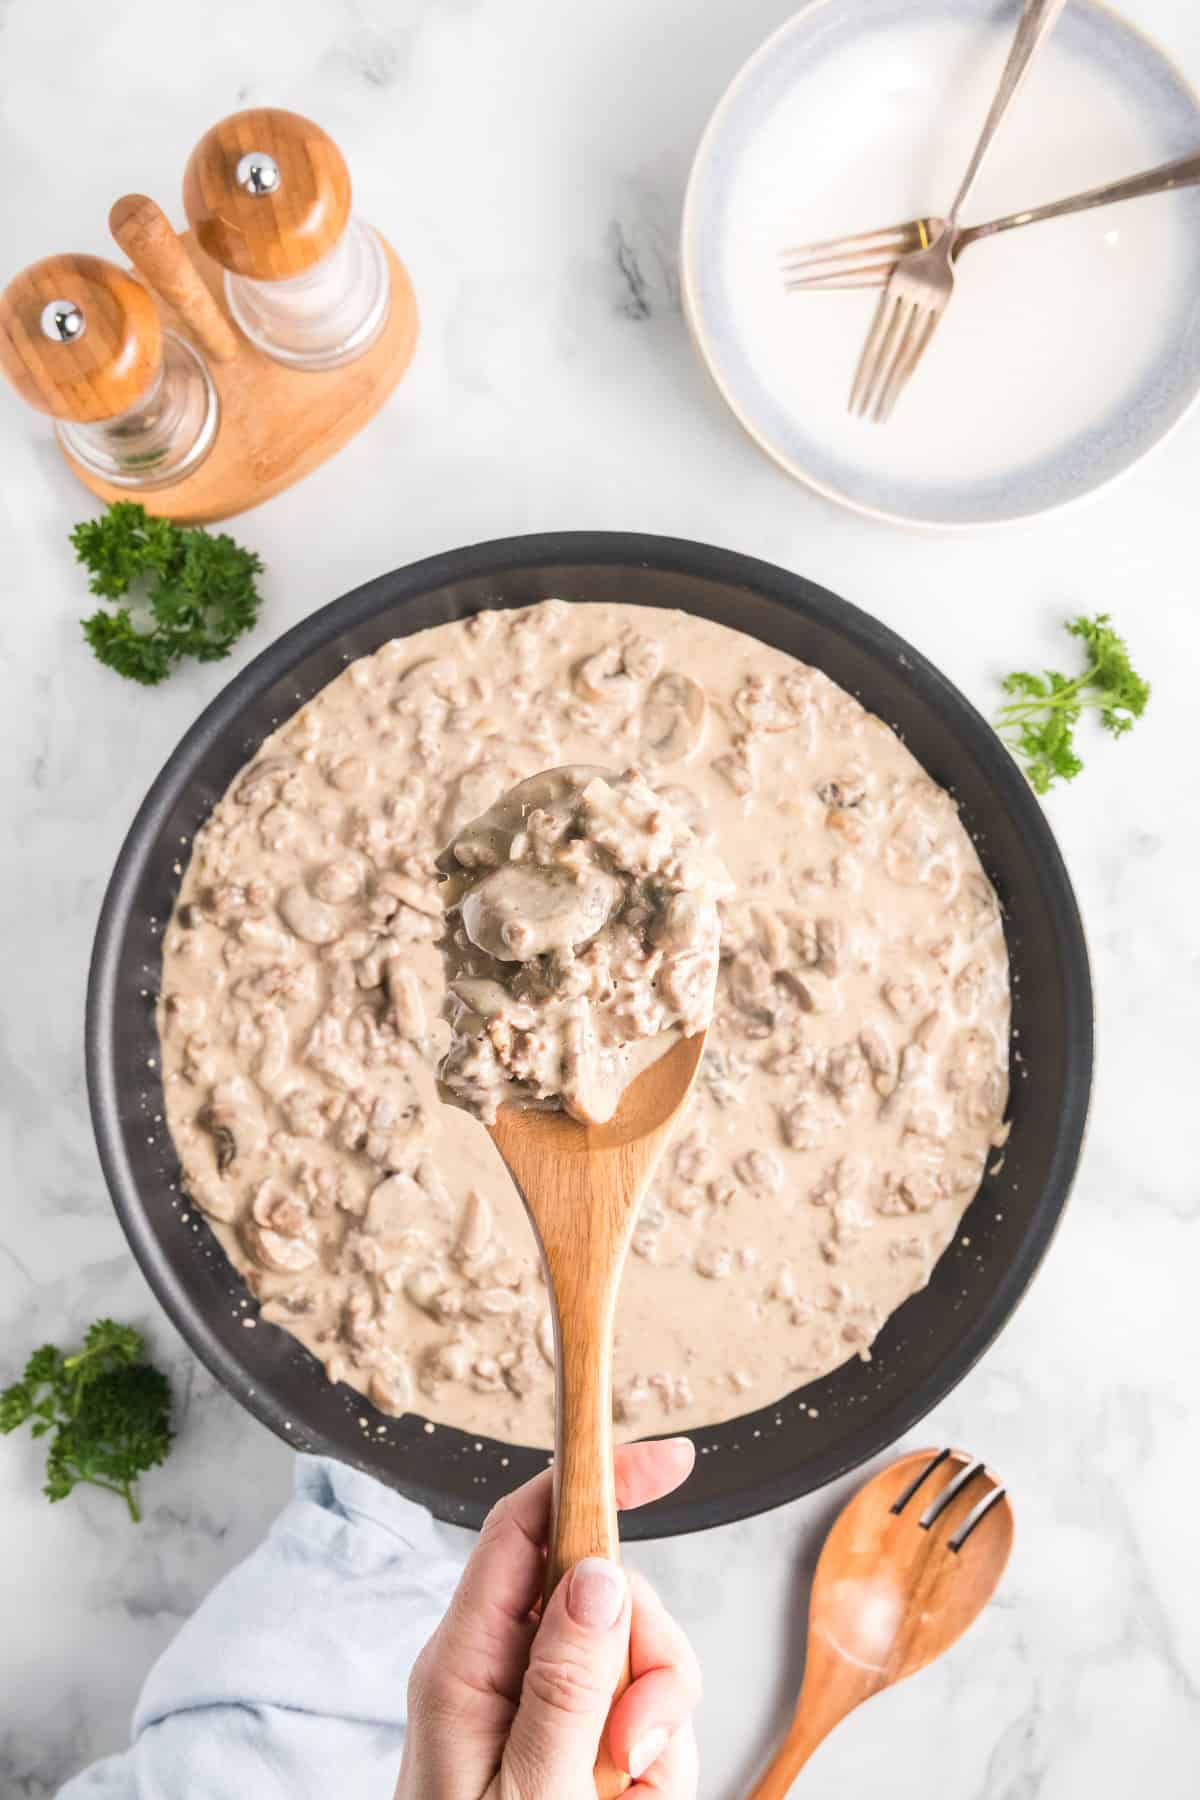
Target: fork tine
x,y
898,355
891,241
885,317
919,1480
951,1491
904,367
976,1517
873,378
842,275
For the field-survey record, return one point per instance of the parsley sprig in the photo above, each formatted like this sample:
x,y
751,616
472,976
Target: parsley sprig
x,y
193,593
108,1410
1038,725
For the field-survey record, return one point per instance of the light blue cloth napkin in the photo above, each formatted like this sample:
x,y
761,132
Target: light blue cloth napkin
x,y
289,1682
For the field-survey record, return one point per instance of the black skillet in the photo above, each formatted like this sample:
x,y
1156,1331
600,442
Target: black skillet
x,y
820,1431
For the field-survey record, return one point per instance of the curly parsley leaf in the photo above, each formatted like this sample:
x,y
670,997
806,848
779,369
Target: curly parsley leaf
x,y
1038,724
109,1411
193,593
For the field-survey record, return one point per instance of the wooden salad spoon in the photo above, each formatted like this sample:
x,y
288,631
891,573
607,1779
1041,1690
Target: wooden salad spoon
x,y
910,1563
582,1185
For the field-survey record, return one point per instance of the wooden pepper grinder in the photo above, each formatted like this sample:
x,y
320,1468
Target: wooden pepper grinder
x,y
267,195
133,403
138,370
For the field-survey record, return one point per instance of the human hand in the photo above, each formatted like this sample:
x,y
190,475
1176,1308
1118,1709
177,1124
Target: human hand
x,y
504,1706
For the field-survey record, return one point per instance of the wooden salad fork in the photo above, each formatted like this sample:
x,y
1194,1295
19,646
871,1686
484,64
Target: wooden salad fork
x,y
910,1563
868,258
582,1186
919,289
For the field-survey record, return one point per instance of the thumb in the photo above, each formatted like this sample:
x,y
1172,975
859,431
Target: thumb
x,y
575,1662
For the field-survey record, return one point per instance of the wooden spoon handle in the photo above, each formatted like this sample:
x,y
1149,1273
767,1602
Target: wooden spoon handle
x,y
583,1520
584,1517
787,1762
832,1688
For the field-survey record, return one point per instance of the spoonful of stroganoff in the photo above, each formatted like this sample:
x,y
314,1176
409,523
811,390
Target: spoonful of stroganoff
x,y
582,939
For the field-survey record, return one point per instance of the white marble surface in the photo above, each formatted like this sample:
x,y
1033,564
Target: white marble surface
x,y
527,159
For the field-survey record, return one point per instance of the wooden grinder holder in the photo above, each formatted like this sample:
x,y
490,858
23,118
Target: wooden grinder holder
x,y
276,423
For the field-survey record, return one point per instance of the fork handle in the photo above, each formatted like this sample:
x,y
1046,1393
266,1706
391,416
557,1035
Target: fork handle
x,y
1183,172
1037,20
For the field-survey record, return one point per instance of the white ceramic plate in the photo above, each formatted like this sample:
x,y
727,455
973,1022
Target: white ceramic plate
x,y
1069,349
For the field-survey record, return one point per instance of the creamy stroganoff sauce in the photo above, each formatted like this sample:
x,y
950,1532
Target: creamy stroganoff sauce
x,y
855,1074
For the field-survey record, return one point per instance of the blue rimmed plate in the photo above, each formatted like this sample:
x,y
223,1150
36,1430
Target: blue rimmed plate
x,y
1070,348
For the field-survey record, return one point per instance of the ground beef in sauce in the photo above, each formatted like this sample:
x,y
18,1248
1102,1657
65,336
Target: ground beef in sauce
x,y
854,1078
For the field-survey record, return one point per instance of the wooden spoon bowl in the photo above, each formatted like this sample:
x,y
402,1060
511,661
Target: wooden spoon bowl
x,y
582,1186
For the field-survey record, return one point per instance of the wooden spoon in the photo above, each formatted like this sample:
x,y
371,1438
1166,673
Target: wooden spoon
x,y
909,1564
581,1185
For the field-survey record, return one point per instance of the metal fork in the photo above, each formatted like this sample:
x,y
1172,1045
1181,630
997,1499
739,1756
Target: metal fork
x,y
922,282
868,259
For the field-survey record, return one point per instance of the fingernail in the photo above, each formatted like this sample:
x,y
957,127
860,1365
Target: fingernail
x,y
646,1751
596,1593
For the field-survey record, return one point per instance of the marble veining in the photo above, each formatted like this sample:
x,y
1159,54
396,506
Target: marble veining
x,y
528,162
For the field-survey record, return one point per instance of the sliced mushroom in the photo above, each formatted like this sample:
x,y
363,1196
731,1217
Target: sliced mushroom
x,y
422,897
683,925
397,1207
604,677
281,829
311,919
588,1091
673,718
475,1228
485,997
846,789
486,839
474,791
752,985
713,1261
215,1199
880,1055
425,1287
262,938
909,852
815,992
522,911
281,1255
431,675
261,781
642,656
338,880
272,1061
406,1003
490,1303
759,1169
739,768
390,1386
690,808
544,1338
226,1147
348,773
831,937
234,1123
281,1212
